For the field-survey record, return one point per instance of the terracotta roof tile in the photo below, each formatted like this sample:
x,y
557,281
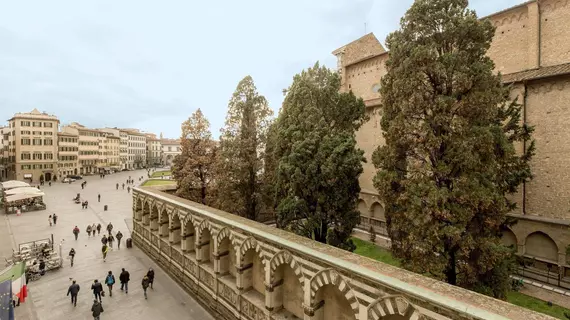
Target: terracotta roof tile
x,y
535,74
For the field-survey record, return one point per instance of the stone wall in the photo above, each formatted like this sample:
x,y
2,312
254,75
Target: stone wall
x,y
241,269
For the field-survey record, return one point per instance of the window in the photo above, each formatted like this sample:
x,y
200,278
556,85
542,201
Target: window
x,y
48,125
37,156
48,166
25,142
26,132
169,148
26,156
48,142
48,156
48,133
26,167
25,123
36,124
37,133
37,142
36,166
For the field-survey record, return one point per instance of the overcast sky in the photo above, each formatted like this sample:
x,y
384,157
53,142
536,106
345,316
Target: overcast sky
x,y
150,64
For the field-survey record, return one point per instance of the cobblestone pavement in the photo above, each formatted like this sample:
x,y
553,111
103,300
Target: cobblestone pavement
x,y
47,298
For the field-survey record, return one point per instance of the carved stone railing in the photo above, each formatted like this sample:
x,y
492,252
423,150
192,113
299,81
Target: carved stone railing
x,y
371,289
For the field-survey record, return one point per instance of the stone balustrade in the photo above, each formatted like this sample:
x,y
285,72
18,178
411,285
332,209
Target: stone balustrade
x,y
241,269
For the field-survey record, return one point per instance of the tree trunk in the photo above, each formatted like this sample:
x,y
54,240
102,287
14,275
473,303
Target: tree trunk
x,y
450,271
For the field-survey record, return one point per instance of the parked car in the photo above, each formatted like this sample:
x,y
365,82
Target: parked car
x,y
76,177
125,169
67,180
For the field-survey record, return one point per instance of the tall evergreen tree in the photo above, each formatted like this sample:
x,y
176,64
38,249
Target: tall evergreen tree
x,y
242,151
193,169
316,187
449,163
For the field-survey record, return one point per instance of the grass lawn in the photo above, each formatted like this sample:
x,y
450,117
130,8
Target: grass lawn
x,y
370,250
158,182
537,305
159,174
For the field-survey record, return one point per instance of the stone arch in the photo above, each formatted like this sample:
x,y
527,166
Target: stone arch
x,y
224,233
188,233
392,308
509,238
205,224
175,226
163,223
332,277
377,211
539,244
285,257
362,207
249,243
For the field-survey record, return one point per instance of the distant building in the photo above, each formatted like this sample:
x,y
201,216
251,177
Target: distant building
x,y
4,147
136,149
153,150
170,149
68,157
32,146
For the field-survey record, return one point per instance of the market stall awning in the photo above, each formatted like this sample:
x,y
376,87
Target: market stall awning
x,y
24,196
14,184
24,190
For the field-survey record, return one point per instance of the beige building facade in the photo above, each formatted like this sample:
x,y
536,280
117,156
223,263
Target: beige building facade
x,y
136,158
531,48
32,151
109,155
88,144
68,157
4,153
170,149
153,150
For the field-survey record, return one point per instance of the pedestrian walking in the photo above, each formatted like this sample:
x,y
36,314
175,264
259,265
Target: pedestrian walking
x,y
117,186
97,309
104,251
104,240
49,183
123,186
97,288
73,291
76,232
54,219
128,189
109,228
88,229
145,283
110,281
72,255
119,236
124,277
150,275
50,220
82,186
93,228
110,239
98,228
99,197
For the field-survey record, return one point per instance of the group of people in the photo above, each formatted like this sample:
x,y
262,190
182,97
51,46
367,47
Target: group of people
x,y
99,292
52,219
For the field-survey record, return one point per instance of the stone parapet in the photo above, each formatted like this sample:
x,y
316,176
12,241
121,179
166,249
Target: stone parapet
x,y
241,269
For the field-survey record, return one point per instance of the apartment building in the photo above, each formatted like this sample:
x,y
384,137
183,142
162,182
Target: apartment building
x,y
170,149
68,156
88,144
153,150
4,146
136,149
123,145
32,146
111,152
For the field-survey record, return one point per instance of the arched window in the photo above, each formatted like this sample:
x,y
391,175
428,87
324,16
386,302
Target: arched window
x,y
540,245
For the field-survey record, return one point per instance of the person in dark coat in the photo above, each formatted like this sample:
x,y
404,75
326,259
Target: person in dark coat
x,y
145,284
54,219
97,309
73,291
110,240
150,275
119,236
104,240
97,288
98,228
124,277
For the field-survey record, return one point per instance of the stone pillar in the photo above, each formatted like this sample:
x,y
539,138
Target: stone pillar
x,y
174,235
188,243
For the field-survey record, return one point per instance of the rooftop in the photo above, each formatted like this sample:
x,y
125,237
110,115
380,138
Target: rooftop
x,y
34,114
538,73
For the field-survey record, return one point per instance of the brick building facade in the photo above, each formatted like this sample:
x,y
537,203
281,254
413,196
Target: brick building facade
x,y
531,48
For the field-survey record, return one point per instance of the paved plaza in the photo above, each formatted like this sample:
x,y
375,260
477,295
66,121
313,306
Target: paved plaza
x,y
47,296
